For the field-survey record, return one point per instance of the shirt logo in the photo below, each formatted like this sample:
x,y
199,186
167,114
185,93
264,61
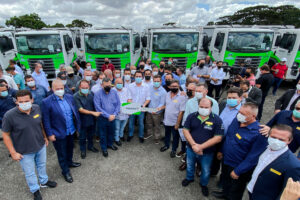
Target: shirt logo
x,y
209,123
275,172
156,93
238,136
208,127
175,101
36,116
298,128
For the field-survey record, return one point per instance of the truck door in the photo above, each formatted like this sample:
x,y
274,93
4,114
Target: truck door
x,y
7,50
217,46
136,48
69,49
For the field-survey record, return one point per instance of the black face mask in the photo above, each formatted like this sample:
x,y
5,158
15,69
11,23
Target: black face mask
x,y
201,65
168,82
142,66
161,66
247,74
70,75
189,93
107,88
174,90
219,67
147,78
106,62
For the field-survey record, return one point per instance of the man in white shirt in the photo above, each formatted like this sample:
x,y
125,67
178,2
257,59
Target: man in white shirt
x,y
217,75
10,81
127,78
148,78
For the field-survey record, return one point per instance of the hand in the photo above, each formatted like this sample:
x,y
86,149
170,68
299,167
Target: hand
x,y
176,126
291,191
199,76
111,118
276,111
16,156
219,155
264,130
182,93
233,175
245,95
52,138
96,114
46,142
197,149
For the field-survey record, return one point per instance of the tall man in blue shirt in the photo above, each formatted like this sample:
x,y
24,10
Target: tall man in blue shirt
x,y
242,147
61,120
40,76
107,102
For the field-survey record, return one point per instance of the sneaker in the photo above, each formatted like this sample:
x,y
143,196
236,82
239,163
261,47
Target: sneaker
x,y
147,137
50,184
37,195
172,154
157,141
204,191
186,182
179,154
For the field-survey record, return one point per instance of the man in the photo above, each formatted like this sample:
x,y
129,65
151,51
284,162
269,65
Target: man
x,y
98,85
38,92
62,68
141,67
9,81
208,62
200,72
162,66
264,83
72,79
216,78
169,78
279,72
17,67
132,72
180,73
201,147
107,65
109,74
6,102
175,105
140,94
158,97
250,94
121,119
11,91
84,101
242,146
168,70
117,73
126,78
275,166
26,141
63,77
107,102
40,77
17,77
61,120
88,66
95,76
155,70
148,78
288,100
148,64
87,75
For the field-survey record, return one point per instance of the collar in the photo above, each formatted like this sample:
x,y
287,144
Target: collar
x,y
57,98
254,125
20,112
279,152
235,108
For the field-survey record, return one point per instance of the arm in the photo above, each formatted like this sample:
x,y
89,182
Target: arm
x,y
280,101
98,108
179,118
46,118
118,106
9,145
211,142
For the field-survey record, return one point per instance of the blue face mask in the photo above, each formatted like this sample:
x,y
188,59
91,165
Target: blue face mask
x,y
295,113
232,102
138,79
4,94
156,84
84,91
119,86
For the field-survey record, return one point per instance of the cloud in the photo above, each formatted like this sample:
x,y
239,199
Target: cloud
x,y
137,14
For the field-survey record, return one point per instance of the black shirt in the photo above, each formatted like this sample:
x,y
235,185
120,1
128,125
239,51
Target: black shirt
x,y
25,130
87,103
265,81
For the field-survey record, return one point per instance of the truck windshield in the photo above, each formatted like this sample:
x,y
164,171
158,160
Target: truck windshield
x,y
38,44
107,43
175,42
249,42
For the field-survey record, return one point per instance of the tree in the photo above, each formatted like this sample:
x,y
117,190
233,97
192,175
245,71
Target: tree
x,y
210,23
57,25
263,15
28,21
79,23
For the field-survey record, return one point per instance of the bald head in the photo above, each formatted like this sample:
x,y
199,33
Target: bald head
x,y
205,103
118,81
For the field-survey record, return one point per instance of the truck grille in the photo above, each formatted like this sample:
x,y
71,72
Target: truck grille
x,y
48,67
179,62
255,60
115,61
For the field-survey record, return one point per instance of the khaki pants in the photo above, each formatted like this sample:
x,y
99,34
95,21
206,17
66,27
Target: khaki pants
x,y
153,124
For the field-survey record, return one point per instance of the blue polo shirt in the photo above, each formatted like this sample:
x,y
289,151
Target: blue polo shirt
x,y
203,130
243,146
85,102
38,94
285,117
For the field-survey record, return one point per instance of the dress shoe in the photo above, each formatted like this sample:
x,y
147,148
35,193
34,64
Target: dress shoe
x,y
105,153
118,143
93,149
83,154
182,167
164,148
218,194
141,140
74,164
37,195
204,191
172,154
129,138
122,139
113,147
50,184
186,182
68,178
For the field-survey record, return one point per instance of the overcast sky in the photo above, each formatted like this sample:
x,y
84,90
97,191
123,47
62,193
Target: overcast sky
x,y
137,14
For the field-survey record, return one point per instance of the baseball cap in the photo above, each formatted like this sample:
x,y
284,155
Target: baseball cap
x,y
283,60
70,70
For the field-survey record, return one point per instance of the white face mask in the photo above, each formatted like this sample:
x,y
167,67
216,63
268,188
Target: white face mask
x,y
204,111
88,67
133,71
155,73
276,144
241,118
31,83
25,106
198,95
127,77
88,78
298,86
59,93
118,75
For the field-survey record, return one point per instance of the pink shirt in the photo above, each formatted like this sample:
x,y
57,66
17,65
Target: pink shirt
x,y
251,79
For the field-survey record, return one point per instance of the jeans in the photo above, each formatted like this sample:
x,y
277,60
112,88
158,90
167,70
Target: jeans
x,y
31,161
64,149
86,133
107,131
175,133
276,84
119,130
205,160
141,124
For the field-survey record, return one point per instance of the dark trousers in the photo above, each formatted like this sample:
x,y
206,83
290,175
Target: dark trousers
x,y
215,166
217,88
276,84
234,189
107,132
64,149
168,131
86,133
261,106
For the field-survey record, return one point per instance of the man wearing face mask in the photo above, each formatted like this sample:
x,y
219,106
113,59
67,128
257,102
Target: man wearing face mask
x,y
216,78
155,70
107,102
132,72
275,166
88,66
200,72
148,78
181,75
141,95
148,64
98,84
107,65
40,77
141,67
61,120
117,74
242,147
168,70
84,101
88,77
162,66
63,77
26,141
126,78
169,78
72,79
201,147
38,92
6,102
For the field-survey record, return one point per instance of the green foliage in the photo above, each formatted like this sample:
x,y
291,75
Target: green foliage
x,y
27,21
57,25
78,23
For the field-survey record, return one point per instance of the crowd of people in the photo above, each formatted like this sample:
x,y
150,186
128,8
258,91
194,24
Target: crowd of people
x,y
215,135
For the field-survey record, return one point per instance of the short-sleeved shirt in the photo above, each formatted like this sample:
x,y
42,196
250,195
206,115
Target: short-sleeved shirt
x,y
38,94
41,79
174,106
281,70
87,103
203,130
265,81
19,81
199,71
25,130
158,97
124,96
